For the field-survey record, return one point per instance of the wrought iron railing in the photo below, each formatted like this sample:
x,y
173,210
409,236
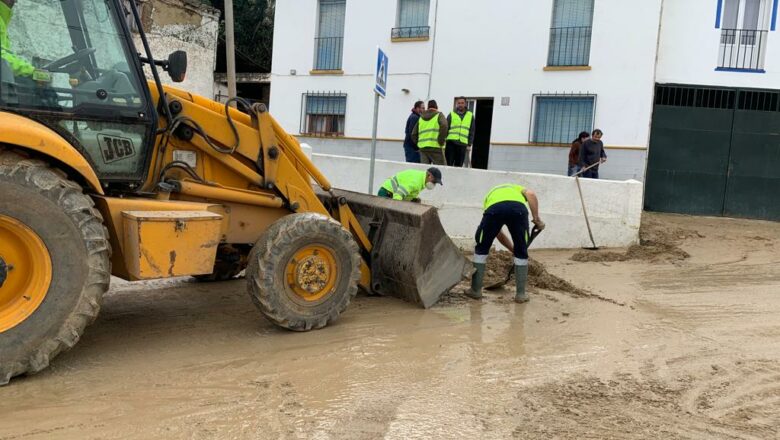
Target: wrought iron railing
x,y
329,53
569,46
742,49
411,32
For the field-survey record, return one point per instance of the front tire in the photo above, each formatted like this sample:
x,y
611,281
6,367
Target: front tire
x,y
304,271
59,251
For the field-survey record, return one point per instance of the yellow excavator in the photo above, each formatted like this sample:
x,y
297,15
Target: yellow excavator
x,y
105,173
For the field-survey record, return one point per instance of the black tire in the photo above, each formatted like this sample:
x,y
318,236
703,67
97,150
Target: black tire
x,y
270,256
72,229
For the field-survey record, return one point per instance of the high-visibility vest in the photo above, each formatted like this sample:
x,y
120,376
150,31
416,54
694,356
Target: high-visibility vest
x,y
19,66
406,185
505,193
428,133
460,128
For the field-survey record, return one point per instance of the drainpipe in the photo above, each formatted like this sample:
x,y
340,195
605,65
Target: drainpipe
x,y
652,103
433,47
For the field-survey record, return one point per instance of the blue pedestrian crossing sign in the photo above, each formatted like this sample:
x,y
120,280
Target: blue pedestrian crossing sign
x,y
381,73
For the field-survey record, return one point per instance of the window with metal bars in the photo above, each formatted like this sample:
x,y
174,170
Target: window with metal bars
x,y
323,113
329,43
744,34
570,33
559,118
412,19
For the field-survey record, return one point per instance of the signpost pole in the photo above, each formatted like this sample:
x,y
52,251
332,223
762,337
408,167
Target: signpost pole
x,y
373,144
380,91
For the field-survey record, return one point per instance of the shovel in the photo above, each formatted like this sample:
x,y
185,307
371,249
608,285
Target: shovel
x,y
584,212
498,284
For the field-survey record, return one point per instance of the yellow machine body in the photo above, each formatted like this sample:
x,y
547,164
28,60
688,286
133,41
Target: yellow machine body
x,y
160,244
104,173
263,177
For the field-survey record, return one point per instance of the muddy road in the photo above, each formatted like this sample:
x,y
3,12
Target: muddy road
x,y
680,346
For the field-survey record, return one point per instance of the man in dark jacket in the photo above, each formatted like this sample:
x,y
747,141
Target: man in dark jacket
x,y
430,134
461,135
592,152
411,151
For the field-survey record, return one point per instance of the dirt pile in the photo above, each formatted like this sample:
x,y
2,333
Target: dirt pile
x,y
657,243
500,263
498,266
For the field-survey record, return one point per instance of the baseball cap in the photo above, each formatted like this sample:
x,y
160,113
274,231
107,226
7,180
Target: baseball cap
x,y
436,173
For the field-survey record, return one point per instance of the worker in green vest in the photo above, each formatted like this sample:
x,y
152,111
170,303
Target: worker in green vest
x,y
461,134
505,205
20,67
408,184
430,135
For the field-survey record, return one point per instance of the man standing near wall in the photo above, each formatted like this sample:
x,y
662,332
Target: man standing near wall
x,y
461,133
430,134
411,151
592,153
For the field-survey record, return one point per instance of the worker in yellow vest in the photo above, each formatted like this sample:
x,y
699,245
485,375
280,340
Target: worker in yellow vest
x,y
505,205
461,133
408,184
20,67
430,135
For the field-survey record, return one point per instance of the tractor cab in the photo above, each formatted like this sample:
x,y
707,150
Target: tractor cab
x,y
71,65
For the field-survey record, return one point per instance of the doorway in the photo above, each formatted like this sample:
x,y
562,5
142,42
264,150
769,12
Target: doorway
x,y
483,113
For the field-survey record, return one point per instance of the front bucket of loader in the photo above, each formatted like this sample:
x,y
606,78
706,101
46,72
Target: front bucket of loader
x,y
412,257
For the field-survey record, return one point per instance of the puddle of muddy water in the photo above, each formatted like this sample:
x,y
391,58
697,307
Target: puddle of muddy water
x,y
187,360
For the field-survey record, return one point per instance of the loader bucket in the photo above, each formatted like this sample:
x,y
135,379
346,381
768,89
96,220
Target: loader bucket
x,y
412,257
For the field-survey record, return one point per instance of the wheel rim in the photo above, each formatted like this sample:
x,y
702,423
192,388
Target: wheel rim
x,y
312,273
27,270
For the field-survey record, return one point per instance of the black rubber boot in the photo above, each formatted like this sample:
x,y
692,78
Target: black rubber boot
x,y
521,276
476,281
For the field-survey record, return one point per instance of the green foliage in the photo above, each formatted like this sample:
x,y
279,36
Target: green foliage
x,y
254,30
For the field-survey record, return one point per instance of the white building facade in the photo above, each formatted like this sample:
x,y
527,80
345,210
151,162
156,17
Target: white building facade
x,y
715,132
537,74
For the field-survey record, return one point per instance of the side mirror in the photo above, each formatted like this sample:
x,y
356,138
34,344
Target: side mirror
x,y
177,66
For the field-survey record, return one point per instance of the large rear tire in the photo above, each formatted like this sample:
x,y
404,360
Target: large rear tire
x,y
304,271
54,238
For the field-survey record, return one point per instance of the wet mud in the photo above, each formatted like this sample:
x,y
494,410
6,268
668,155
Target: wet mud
x,y
657,243
692,355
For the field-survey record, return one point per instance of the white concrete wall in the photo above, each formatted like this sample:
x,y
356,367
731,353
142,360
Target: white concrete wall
x,y
614,208
622,164
484,49
688,50
181,25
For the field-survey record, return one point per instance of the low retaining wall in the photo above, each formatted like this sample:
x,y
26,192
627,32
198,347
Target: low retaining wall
x,y
623,164
614,207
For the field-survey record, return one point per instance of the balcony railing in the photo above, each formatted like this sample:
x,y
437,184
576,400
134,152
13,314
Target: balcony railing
x,y
401,33
742,49
329,52
569,46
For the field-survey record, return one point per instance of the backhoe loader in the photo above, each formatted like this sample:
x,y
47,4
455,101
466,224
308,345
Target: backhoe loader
x,y
105,173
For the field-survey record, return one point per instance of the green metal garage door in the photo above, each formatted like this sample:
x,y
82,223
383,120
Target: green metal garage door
x,y
714,151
